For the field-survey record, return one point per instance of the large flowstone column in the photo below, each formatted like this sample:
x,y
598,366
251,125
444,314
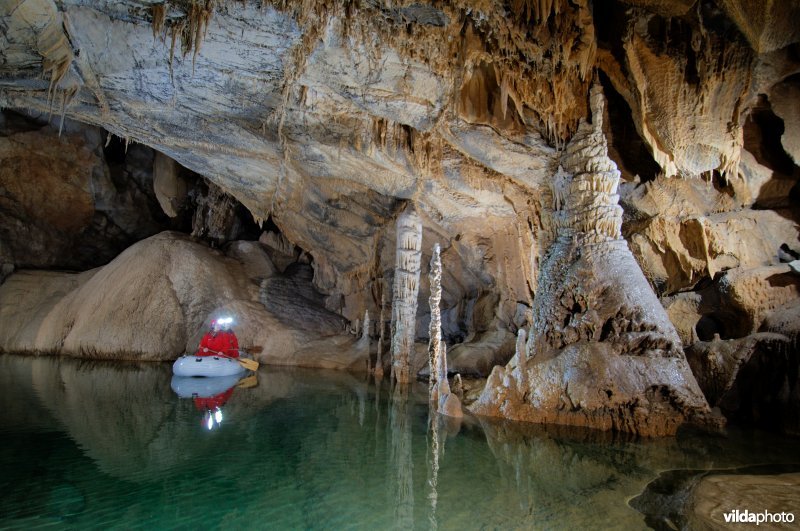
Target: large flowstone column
x,y
604,353
405,292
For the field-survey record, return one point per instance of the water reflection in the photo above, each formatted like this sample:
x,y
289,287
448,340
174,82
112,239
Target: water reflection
x,y
208,395
98,443
402,462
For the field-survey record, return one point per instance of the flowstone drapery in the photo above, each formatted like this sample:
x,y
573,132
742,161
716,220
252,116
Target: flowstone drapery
x,y
404,293
606,354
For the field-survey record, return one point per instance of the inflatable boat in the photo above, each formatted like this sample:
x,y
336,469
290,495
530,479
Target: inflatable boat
x,y
208,366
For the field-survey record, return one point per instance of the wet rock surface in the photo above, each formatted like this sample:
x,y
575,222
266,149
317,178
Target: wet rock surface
x,y
699,499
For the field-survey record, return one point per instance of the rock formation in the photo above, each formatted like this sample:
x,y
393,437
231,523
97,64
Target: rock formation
x,y
154,302
320,122
607,355
404,293
435,333
439,392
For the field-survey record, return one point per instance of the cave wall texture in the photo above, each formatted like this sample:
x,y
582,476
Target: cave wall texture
x,y
322,121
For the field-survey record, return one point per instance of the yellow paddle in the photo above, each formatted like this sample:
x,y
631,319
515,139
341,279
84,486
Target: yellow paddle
x,y
246,383
250,365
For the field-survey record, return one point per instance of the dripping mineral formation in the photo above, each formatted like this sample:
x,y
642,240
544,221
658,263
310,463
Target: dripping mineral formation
x,y
163,162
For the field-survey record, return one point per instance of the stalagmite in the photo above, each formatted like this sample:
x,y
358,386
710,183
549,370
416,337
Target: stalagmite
x,y
363,342
382,326
595,316
449,403
530,352
521,354
404,294
436,320
443,382
458,386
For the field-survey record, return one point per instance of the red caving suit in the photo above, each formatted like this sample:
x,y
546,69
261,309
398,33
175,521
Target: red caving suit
x,y
222,342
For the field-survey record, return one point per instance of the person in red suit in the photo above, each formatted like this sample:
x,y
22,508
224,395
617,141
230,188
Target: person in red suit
x,y
220,340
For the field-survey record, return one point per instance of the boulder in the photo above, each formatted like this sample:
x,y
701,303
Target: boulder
x,y
153,302
477,358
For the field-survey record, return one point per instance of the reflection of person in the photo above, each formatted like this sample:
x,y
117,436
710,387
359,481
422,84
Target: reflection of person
x,y
204,403
219,340
212,408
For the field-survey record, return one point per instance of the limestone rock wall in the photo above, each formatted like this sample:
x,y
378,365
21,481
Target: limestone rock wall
x,y
64,204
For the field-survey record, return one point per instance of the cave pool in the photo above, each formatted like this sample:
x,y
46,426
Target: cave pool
x,y
102,445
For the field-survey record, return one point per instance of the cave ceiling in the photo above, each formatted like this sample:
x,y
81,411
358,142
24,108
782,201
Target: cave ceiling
x,y
329,116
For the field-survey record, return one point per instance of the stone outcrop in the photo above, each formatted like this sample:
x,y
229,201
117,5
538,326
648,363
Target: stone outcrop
x,y
154,302
680,251
607,355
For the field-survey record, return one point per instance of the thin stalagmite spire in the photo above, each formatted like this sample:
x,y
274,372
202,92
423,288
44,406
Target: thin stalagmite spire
x,y
436,320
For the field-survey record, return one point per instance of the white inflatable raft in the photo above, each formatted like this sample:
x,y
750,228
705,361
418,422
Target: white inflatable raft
x,y
209,366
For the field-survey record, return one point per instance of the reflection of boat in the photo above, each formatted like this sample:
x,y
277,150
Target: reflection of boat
x,y
208,395
206,366
188,387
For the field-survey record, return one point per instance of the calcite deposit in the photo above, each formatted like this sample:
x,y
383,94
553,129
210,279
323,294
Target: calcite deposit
x,y
607,355
309,128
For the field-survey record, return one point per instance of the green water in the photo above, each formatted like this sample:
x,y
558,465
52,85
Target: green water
x,y
111,446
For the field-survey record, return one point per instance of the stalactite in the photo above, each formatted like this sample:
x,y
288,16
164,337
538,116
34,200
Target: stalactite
x,y
436,320
458,386
404,293
159,14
